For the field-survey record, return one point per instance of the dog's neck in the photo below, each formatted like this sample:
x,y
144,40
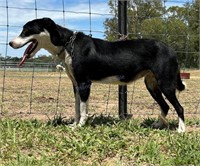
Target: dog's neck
x,y
48,45
69,45
58,49
60,41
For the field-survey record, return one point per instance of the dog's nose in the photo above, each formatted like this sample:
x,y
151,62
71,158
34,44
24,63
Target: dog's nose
x,y
11,43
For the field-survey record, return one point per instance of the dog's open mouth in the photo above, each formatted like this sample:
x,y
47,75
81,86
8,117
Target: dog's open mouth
x,y
28,51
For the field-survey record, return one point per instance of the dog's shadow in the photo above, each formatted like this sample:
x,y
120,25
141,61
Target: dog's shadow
x,y
94,120
148,123
108,120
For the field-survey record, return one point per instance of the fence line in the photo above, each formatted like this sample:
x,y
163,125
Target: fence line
x,y
37,89
50,93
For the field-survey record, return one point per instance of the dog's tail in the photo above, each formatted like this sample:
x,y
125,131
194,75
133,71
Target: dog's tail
x,y
180,84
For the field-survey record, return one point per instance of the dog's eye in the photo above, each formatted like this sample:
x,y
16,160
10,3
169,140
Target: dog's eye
x,y
24,32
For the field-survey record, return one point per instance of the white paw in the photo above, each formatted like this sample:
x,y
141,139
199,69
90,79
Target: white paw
x,y
83,121
73,125
181,126
181,130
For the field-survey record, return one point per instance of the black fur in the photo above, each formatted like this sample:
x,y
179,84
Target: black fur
x,y
95,59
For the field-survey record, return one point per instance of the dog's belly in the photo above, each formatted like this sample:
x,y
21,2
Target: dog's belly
x,y
122,79
110,80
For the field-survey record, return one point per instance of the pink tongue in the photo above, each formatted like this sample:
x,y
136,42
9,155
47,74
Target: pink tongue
x,y
26,53
23,60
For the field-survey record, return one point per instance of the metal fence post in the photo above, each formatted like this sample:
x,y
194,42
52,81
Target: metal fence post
x,y
122,89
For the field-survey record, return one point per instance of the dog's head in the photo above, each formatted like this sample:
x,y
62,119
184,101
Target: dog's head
x,y
40,33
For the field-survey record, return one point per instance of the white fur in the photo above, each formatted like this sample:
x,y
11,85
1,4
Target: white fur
x,y
109,80
181,126
60,68
19,41
68,67
184,83
116,79
43,40
83,111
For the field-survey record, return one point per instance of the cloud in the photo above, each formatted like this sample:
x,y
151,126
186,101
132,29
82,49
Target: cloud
x,y
75,16
21,11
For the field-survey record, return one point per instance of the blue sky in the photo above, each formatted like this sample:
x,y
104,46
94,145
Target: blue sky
x,y
75,17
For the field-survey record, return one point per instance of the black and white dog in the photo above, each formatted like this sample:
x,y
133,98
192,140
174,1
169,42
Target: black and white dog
x,y
90,60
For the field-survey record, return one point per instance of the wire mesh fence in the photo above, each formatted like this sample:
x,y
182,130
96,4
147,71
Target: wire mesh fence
x,y
39,91
42,93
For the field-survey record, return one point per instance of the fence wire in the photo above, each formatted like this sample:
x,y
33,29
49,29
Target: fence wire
x,y
39,91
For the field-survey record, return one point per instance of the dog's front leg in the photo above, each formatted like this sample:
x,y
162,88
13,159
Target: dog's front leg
x,y
84,93
84,113
77,105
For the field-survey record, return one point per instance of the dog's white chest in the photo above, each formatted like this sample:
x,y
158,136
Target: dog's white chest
x,y
68,66
68,59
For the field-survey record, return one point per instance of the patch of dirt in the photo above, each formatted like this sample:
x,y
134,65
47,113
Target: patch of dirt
x,y
42,95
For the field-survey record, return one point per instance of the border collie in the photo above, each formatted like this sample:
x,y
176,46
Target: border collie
x,y
90,60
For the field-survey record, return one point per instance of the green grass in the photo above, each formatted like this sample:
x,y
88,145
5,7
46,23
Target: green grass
x,y
103,140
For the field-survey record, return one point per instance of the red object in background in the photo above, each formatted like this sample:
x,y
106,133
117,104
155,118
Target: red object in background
x,y
185,75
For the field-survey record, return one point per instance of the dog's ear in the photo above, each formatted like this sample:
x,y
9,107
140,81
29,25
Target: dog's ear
x,y
47,22
53,29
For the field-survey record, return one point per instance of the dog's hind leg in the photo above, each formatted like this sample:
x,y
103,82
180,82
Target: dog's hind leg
x,y
152,86
168,84
171,96
84,93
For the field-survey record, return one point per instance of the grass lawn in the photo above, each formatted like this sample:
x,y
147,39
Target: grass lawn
x,y
31,135
103,141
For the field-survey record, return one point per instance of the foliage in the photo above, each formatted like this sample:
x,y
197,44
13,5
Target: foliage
x,y
178,26
40,58
112,142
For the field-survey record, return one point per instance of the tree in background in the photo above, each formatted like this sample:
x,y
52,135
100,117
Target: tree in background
x,y
177,26
138,11
39,59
